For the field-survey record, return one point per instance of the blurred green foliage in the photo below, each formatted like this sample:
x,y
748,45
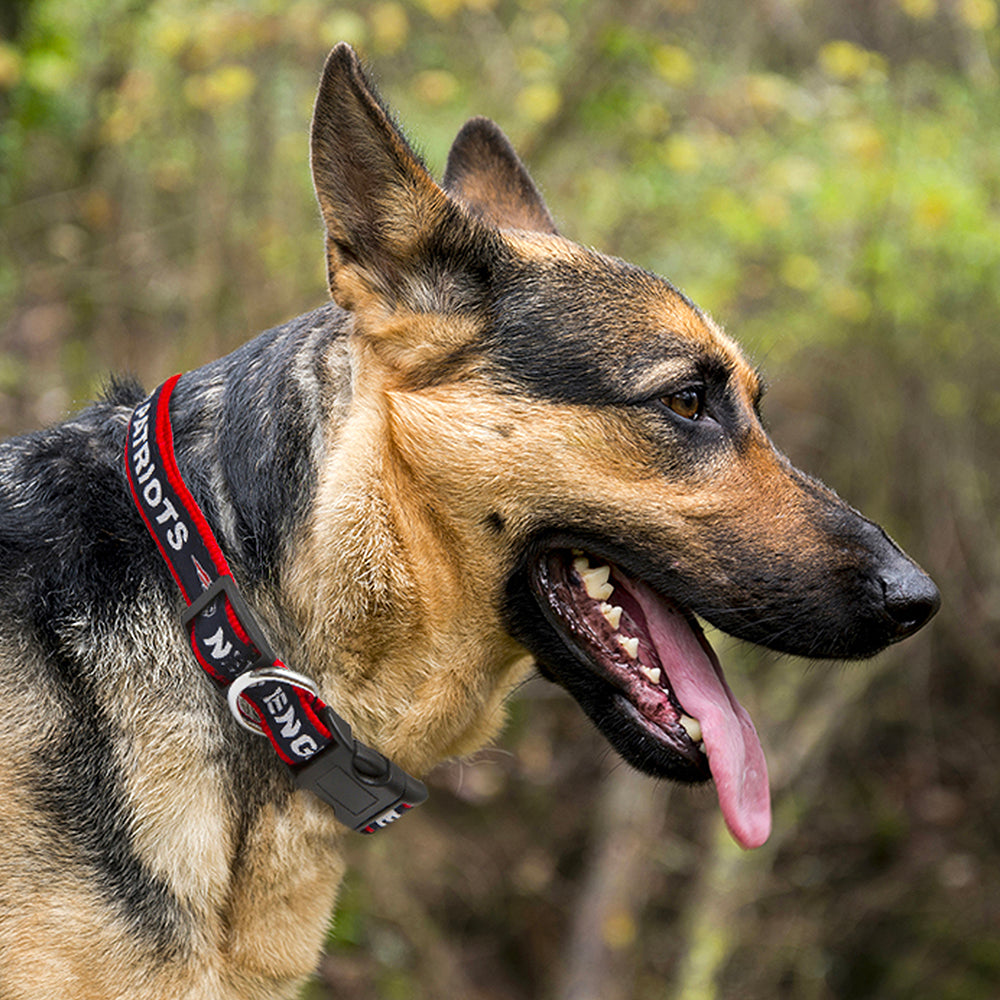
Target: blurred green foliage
x,y
825,179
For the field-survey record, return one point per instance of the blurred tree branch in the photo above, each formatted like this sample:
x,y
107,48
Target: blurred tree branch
x,y
600,963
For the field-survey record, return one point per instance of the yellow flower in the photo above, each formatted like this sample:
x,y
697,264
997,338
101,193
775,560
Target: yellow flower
x,y
919,10
539,102
980,15
800,272
846,61
435,86
674,64
390,26
222,87
681,153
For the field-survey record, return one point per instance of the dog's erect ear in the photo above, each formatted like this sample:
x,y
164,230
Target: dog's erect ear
x,y
485,174
382,210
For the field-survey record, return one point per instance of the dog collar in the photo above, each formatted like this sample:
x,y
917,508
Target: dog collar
x,y
366,790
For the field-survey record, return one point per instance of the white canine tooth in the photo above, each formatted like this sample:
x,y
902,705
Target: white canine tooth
x,y
596,589
652,674
631,646
595,582
598,574
613,614
692,727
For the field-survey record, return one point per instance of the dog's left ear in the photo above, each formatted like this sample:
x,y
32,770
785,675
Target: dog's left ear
x,y
388,225
486,175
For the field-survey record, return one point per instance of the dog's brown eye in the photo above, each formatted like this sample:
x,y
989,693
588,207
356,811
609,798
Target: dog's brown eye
x,y
687,403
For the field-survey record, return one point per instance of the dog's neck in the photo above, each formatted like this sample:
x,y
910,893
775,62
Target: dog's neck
x,y
392,586
359,580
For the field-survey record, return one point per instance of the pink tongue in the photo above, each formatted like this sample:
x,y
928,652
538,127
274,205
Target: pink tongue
x,y
731,743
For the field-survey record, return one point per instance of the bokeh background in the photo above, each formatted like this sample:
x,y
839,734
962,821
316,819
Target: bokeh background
x,y
824,177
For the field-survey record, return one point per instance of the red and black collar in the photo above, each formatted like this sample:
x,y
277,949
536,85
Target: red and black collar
x,y
366,790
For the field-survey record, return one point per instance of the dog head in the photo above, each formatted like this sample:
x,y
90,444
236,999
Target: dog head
x,y
583,445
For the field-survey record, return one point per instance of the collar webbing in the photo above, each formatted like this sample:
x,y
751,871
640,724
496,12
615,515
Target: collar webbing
x,y
366,790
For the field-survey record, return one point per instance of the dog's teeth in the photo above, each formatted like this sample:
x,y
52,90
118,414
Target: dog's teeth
x,y
595,582
581,563
613,614
652,674
692,727
631,646
599,574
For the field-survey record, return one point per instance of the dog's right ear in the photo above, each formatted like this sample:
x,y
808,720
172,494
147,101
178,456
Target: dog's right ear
x,y
382,210
487,176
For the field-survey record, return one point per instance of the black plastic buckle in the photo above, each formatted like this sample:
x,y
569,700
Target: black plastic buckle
x,y
365,790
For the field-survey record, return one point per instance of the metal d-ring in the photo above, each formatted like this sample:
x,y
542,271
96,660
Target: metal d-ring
x,y
262,675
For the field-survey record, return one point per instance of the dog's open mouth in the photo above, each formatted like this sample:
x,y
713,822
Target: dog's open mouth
x,y
663,677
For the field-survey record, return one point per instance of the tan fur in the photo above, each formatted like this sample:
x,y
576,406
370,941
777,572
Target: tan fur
x,y
412,636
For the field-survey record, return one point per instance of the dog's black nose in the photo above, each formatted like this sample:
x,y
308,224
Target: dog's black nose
x,y
911,599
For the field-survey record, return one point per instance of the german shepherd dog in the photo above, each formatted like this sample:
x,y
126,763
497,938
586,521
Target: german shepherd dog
x,y
494,447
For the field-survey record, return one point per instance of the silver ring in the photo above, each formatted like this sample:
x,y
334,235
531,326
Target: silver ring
x,y
247,716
